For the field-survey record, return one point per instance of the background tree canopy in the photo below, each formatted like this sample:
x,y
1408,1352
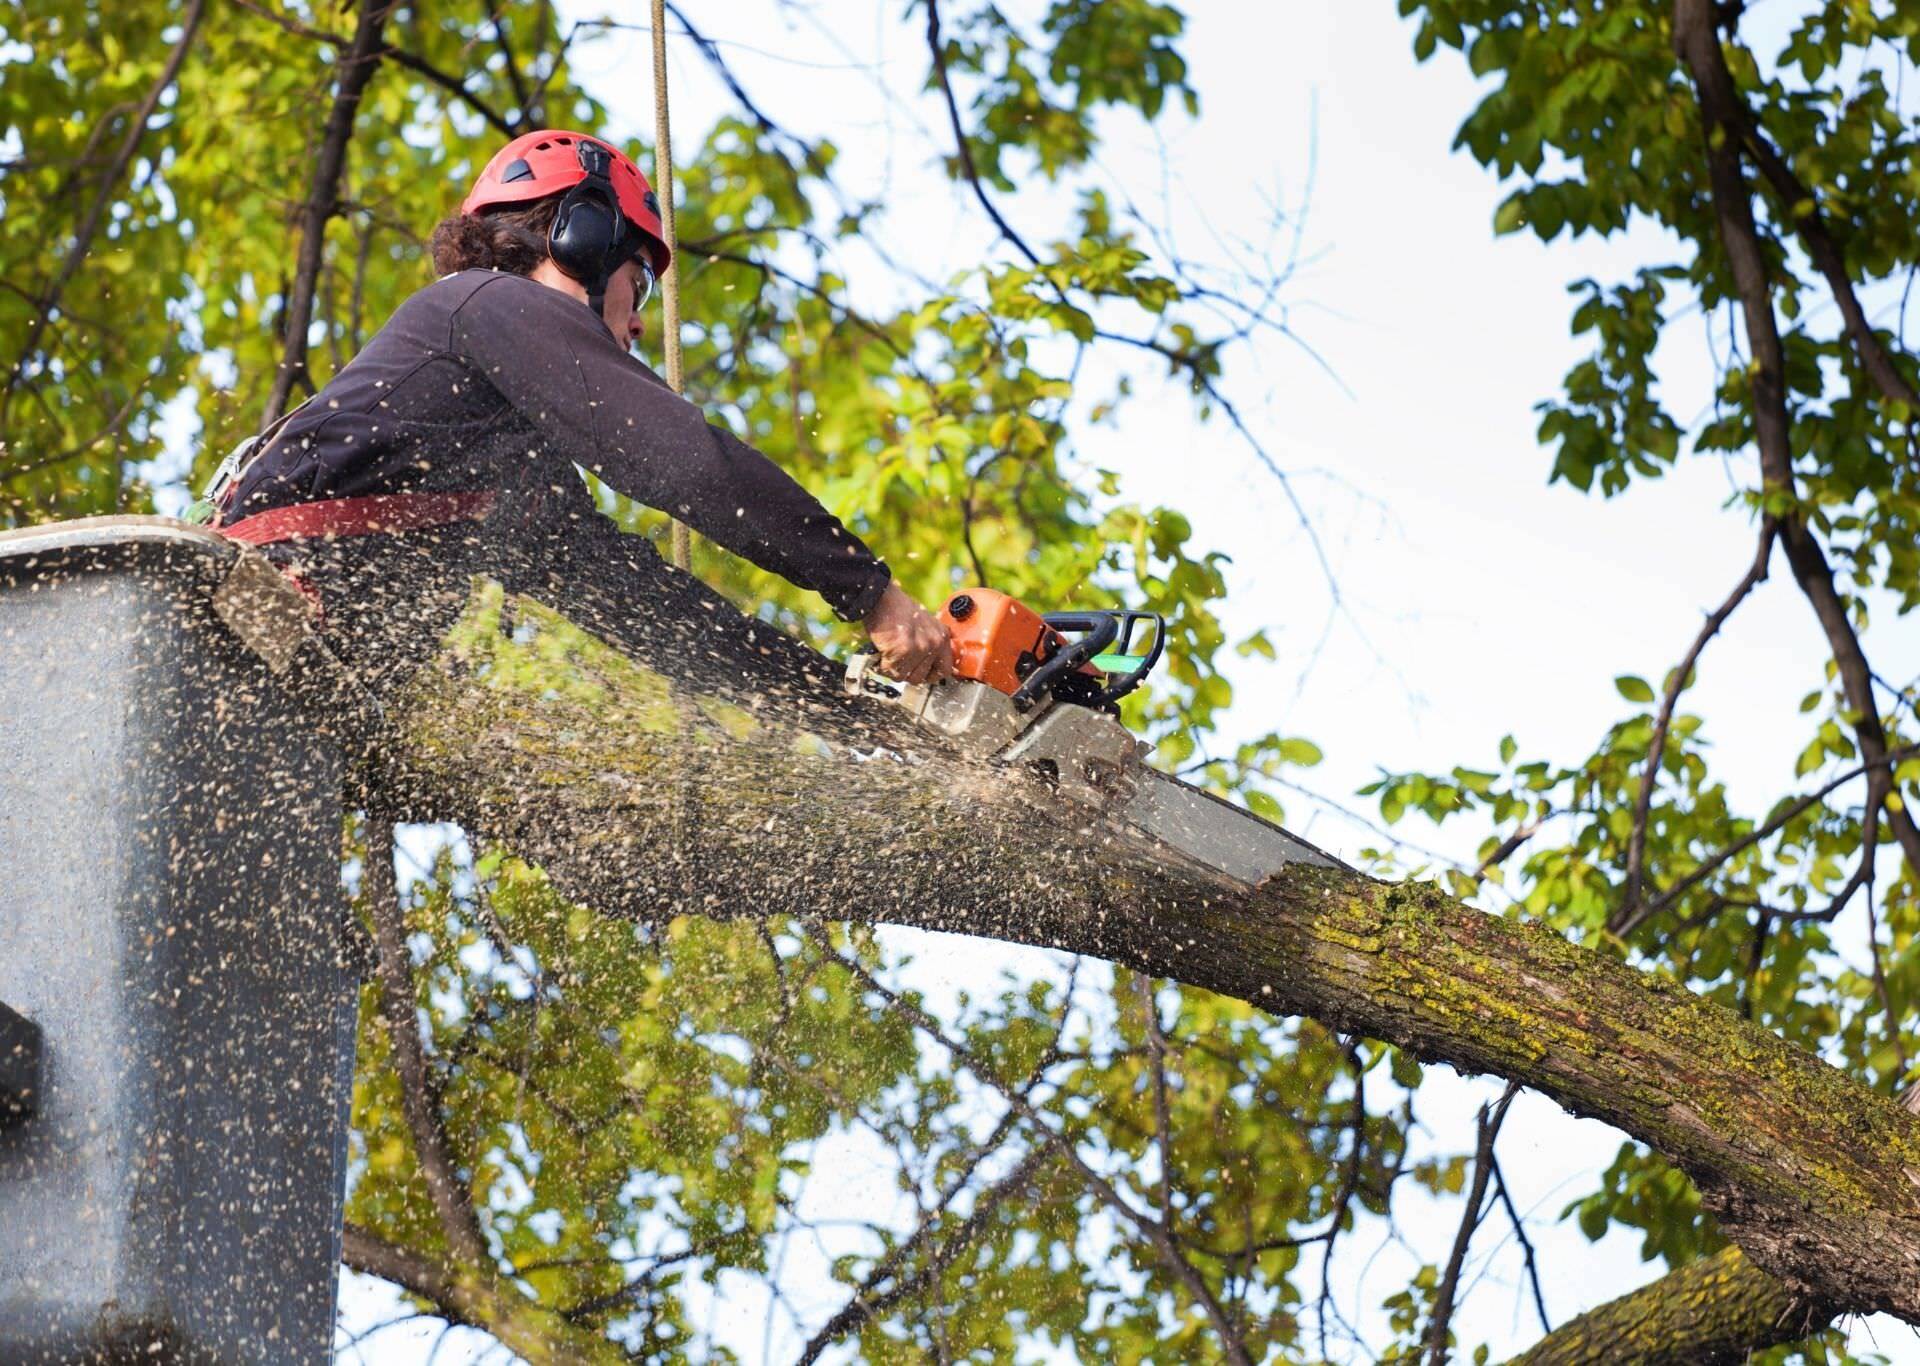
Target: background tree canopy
x,y
576,1135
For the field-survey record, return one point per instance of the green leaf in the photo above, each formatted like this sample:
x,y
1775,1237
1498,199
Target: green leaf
x,y
1303,753
1264,806
1633,689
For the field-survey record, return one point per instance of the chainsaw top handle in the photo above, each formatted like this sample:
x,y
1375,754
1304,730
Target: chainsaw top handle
x,y
1063,672
1121,679
1100,630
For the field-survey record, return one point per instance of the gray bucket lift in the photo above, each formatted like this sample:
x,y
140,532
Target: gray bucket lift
x,y
176,1043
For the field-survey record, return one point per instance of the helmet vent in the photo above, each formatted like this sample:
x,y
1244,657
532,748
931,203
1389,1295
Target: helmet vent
x,y
516,170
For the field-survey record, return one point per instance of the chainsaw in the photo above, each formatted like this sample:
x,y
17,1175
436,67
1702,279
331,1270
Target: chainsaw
x,y
1039,695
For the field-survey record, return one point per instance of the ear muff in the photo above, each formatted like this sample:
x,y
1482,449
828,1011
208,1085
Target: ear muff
x,y
590,237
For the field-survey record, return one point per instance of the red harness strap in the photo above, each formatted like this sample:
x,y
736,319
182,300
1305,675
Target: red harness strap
x,y
373,515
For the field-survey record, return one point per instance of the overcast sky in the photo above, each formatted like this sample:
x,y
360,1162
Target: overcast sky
x,y
1477,601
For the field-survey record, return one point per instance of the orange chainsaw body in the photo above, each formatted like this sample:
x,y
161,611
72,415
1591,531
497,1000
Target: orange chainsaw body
x,y
997,640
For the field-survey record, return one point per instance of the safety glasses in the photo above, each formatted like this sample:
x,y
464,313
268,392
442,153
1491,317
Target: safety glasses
x,y
642,283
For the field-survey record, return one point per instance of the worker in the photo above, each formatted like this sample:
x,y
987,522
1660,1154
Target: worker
x,y
472,407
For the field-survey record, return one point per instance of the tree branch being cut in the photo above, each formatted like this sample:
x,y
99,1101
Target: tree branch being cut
x,y
670,781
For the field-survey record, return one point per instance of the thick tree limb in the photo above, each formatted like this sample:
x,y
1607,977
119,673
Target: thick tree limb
x,y
1696,42
1716,1311
413,1272
653,782
353,71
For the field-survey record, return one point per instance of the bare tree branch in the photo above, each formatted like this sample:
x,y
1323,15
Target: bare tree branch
x,y
1526,1245
1204,382
356,307
937,47
412,61
1162,1118
457,87
1343,1201
1706,869
1491,1118
112,426
708,252
1657,742
1508,847
521,95
869,1288
717,60
867,1304
634,1290
1894,1034
291,24
78,166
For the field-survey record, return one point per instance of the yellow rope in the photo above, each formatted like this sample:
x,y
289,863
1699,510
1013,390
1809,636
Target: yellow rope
x,y
670,282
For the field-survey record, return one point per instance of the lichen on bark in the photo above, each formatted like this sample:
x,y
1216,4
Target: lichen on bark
x,y
1716,1311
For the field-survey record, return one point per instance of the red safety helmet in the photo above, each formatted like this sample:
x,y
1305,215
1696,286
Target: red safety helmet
x,y
535,165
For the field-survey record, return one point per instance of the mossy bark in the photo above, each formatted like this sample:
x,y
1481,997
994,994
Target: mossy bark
x,y
647,789
1716,1311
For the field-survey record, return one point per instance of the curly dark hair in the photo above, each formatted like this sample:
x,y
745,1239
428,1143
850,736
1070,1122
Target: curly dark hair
x,y
512,238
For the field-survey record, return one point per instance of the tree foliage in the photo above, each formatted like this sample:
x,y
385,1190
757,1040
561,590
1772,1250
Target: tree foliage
x,y
1773,151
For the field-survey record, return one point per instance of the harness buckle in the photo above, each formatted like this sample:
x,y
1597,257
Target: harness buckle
x,y
208,507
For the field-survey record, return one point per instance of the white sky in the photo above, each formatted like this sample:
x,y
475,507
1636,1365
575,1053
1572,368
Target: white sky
x,y
1481,601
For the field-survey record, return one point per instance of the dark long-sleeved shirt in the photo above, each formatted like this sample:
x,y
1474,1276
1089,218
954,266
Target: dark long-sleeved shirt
x,y
481,373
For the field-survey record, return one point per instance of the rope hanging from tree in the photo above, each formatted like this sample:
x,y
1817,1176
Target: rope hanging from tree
x,y
670,282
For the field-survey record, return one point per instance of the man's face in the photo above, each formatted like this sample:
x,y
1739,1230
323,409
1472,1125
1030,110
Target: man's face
x,y
627,286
